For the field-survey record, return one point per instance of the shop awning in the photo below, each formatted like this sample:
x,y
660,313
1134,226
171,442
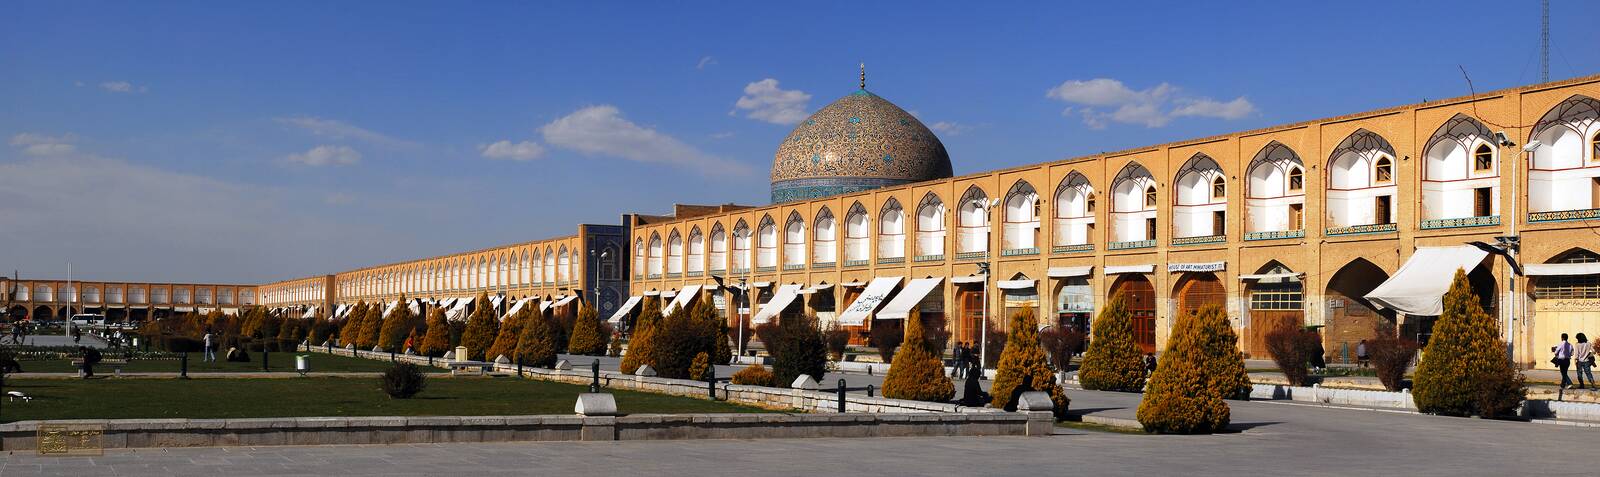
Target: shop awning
x,y
390,307
446,303
622,312
1014,284
969,279
230,311
761,284
1560,269
338,311
651,293
914,292
669,294
876,293
1115,269
415,306
780,300
183,309
1418,287
458,312
565,301
1069,272
544,305
1273,276
516,307
820,287
311,312
495,301
1197,267
852,284
683,298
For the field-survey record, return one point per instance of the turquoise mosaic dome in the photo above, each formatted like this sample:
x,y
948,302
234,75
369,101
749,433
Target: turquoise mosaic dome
x,y
859,142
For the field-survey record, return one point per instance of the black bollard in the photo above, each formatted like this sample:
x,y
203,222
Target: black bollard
x,y
183,366
841,394
391,357
869,390
711,383
430,360
264,357
519,366
594,386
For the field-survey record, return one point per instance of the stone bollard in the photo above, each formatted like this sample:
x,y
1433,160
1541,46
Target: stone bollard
x,y
645,371
801,390
1040,410
599,411
502,359
449,356
563,365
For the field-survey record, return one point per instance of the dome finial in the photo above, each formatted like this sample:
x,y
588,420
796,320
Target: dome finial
x,y
863,75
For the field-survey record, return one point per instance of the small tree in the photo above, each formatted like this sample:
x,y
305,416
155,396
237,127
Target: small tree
x,y
481,329
403,381
1391,356
1464,369
886,336
798,349
537,344
396,326
1291,348
754,375
510,333
352,323
639,352
437,339
917,373
370,326
1024,367
1113,362
1201,367
838,339
588,334
700,368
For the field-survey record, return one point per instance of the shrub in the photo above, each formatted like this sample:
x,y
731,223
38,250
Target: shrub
x,y
755,375
1464,369
886,336
392,335
481,330
404,380
714,331
996,341
1113,361
1024,367
837,339
437,339
1061,343
917,373
1291,348
673,344
742,338
1199,370
536,345
352,323
588,335
639,345
509,335
797,349
367,336
1391,356
700,368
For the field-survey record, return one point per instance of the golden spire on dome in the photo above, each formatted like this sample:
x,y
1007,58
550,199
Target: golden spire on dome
x,y
863,75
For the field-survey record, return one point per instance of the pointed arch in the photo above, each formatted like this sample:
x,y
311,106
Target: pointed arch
x,y
742,244
1020,231
674,253
857,234
1361,180
930,226
766,243
1564,170
1133,204
563,265
1074,210
1199,210
972,223
1275,192
550,263
697,252
1460,171
891,231
718,258
824,237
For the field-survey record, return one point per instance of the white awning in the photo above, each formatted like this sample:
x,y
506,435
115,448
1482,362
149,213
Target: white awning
x,y
390,307
338,312
651,293
780,300
969,279
544,305
820,286
761,284
565,301
1197,267
1069,272
1560,269
446,303
627,306
311,312
683,298
516,307
1418,287
1115,269
914,292
495,301
456,313
415,306
1273,276
875,294
183,309
852,284
1014,284
230,311
669,294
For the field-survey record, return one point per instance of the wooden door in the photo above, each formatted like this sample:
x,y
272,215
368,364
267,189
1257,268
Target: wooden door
x,y
1199,290
1219,223
1142,306
971,314
1380,210
1481,202
1297,216
1264,322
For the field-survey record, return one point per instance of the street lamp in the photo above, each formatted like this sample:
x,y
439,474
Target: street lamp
x,y
743,296
987,206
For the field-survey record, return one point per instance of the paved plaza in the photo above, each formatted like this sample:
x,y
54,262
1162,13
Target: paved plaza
x,y
1279,439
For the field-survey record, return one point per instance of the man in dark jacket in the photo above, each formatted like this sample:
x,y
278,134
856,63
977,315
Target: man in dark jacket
x,y
91,357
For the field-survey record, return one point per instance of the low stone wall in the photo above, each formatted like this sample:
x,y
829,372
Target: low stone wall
x,y
148,433
1334,396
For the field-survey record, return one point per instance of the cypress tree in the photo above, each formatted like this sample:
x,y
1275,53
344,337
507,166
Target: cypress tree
x,y
1113,362
392,336
588,335
1023,361
481,329
917,373
370,326
352,323
1464,369
1199,370
437,339
505,341
536,344
639,344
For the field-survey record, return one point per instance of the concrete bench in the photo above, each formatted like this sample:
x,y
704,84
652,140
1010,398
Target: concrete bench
x,y
115,365
472,368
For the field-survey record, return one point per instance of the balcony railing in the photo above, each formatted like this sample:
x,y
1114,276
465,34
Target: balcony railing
x,y
1077,248
891,260
1563,215
972,255
1131,244
1362,229
1013,252
767,269
822,265
653,276
856,263
1201,240
695,274
718,271
1274,235
740,271
794,266
674,275
1484,221
928,258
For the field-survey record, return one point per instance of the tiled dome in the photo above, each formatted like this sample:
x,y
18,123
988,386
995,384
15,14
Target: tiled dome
x,y
859,142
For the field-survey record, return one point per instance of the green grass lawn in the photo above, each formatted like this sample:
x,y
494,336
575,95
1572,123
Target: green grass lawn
x,y
328,396
276,362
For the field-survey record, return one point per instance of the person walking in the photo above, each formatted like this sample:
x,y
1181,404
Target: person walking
x,y
211,353
1362,358
1563,359
90,358
1583,355
961,360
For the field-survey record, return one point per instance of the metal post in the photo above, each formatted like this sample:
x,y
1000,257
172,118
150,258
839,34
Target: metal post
x,y
870,389
711,384
594,369
841,394
519,366
263,356
392,358
183,366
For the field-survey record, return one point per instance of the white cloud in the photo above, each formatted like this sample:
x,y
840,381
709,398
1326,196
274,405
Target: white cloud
x,y
336,129
505,149
1151,107
602,130
122,87
765,101
325,155
35,144
704,62
949,128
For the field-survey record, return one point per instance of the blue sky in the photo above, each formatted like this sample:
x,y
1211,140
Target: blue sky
x,y
213,141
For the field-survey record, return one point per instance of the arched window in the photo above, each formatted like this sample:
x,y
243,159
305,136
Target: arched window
x,y
697,251
638,257
767,243
892,231
538,263
930,226
1594,146
494,272
741,246
1150,198
654,256
1219,188
564,265
1483,159
674,253
1199,195
527,269
794,240
857,232
1297,179
1133,205
719,249
1564,173
1022,218
1074,211
1361,183
973,231
825,238
1383,171
550,262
